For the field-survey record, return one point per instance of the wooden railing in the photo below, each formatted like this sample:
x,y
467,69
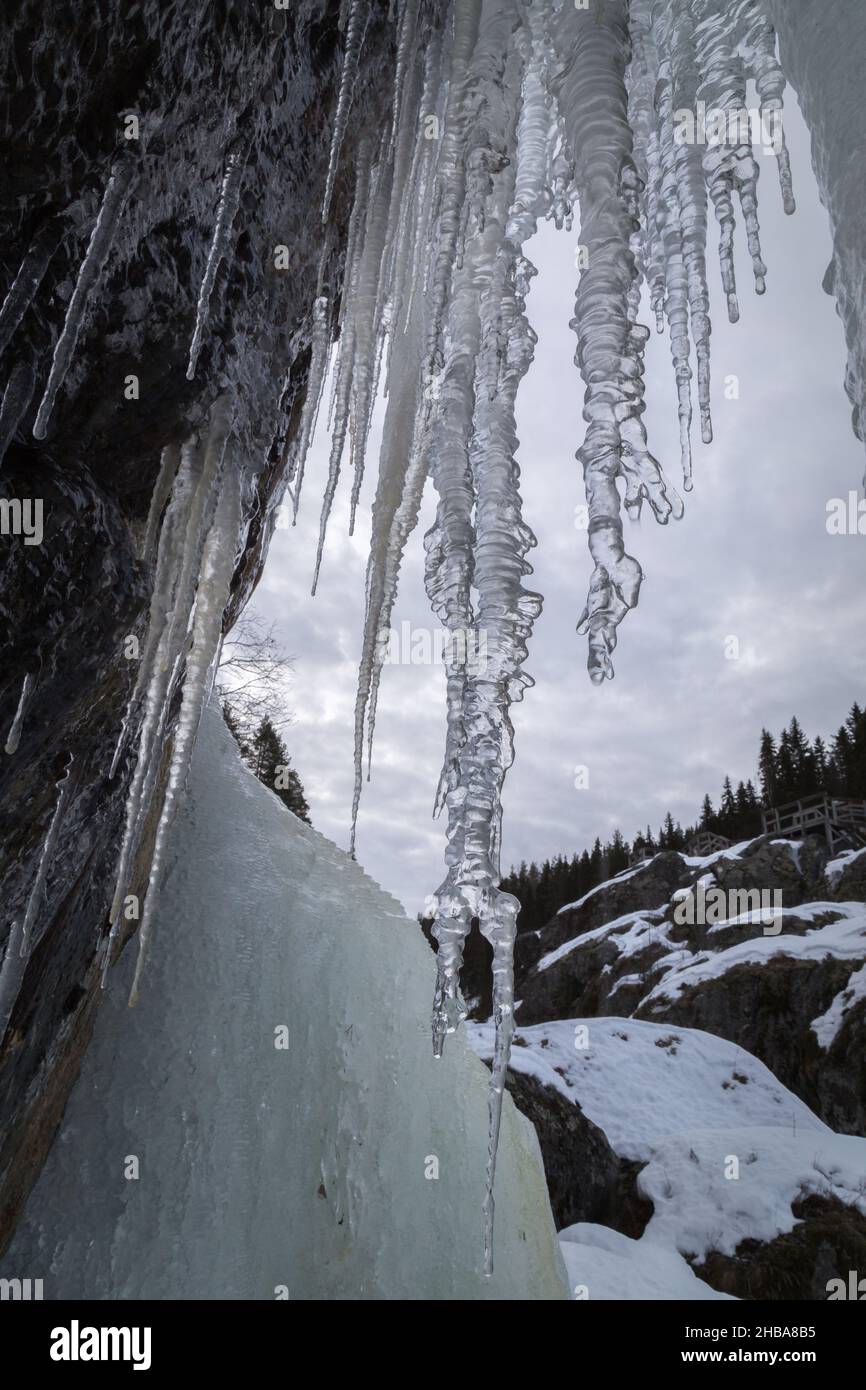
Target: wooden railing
x,y
810,812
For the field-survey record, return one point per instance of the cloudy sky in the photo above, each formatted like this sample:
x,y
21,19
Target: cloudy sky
x,y
752,559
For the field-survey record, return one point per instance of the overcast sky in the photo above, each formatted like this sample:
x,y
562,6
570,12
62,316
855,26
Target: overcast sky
x,y
751,559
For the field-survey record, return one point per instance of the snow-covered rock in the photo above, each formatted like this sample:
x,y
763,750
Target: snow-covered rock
x,y
728,1155
201,1158
778,968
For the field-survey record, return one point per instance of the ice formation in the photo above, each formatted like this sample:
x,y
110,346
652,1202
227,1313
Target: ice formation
x,y
510,111
117,191
14,736
194,566
521,109
288,1147
230,196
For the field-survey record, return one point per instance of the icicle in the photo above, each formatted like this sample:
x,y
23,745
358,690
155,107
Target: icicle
x,y
358,368
356,27
728,161
676,303
403,458
168,466
16,399
451,177
179,564
759,48
18,943
101,241
319,353
405,51
14,737
591,93
692,195
218,562
30,275
227,209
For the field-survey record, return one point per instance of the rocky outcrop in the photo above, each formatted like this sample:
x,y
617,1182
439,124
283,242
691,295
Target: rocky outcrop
x,y
624,950
829,1240
202,81
586,1180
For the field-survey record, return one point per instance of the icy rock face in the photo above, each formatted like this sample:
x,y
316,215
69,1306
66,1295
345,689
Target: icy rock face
x,y
294,1135
119,129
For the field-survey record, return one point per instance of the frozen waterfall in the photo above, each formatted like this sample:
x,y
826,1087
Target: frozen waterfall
x,y
269,1122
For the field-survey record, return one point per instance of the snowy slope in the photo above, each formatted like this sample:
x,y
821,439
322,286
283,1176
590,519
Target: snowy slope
x,y
260,1168
727,1147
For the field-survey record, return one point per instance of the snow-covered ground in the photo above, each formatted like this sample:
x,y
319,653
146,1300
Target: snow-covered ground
x,y
727,1147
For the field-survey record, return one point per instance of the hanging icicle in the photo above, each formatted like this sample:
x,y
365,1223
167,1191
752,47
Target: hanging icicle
x,y
220,248
101,241
356,27
14,737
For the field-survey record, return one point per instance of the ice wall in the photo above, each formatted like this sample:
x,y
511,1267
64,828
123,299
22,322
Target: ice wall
x,y
265,1169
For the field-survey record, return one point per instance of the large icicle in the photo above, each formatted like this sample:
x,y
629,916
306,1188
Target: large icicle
x,y
14,736
356,27
179,563
692,195
230,196
217,568
319,353
101,241
590,89
676,303
758,46
403,457
729,164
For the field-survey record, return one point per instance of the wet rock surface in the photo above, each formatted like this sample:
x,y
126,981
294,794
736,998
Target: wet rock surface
x,y
202,80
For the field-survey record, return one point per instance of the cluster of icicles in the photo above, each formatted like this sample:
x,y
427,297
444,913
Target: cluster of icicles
x,y
521,110
512,111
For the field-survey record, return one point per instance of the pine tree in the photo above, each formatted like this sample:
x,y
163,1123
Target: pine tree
x,y
708,815
269,760
802,768
767,769
234,728
727,818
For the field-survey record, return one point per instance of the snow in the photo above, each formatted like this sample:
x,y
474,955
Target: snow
x,y
826,1027
599,887
727,1147
836,867
640,1081
262,1167
630,930
844,938
698,1208
605,1265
